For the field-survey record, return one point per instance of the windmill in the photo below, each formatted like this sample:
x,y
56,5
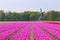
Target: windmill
x,y
41,15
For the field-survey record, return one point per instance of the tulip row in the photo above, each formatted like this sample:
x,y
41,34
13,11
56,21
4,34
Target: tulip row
x,y
29,31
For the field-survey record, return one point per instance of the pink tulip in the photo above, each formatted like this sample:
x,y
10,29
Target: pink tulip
x,y
29,31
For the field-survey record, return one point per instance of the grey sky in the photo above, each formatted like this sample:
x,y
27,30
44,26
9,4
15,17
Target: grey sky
x,y
29,5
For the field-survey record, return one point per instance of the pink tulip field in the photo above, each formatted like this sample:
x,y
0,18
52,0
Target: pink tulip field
x,y
29,31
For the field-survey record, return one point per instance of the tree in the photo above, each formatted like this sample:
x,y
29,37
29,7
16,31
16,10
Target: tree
x,y
34,16
2,15
9,16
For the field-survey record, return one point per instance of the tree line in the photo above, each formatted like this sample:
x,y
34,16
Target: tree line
x,y
29,16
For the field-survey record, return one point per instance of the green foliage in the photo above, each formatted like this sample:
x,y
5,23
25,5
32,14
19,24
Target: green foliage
x,y
29,16
2,15
34,16
53,15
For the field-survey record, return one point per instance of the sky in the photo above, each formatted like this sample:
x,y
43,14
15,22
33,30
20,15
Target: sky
x,y
29,5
